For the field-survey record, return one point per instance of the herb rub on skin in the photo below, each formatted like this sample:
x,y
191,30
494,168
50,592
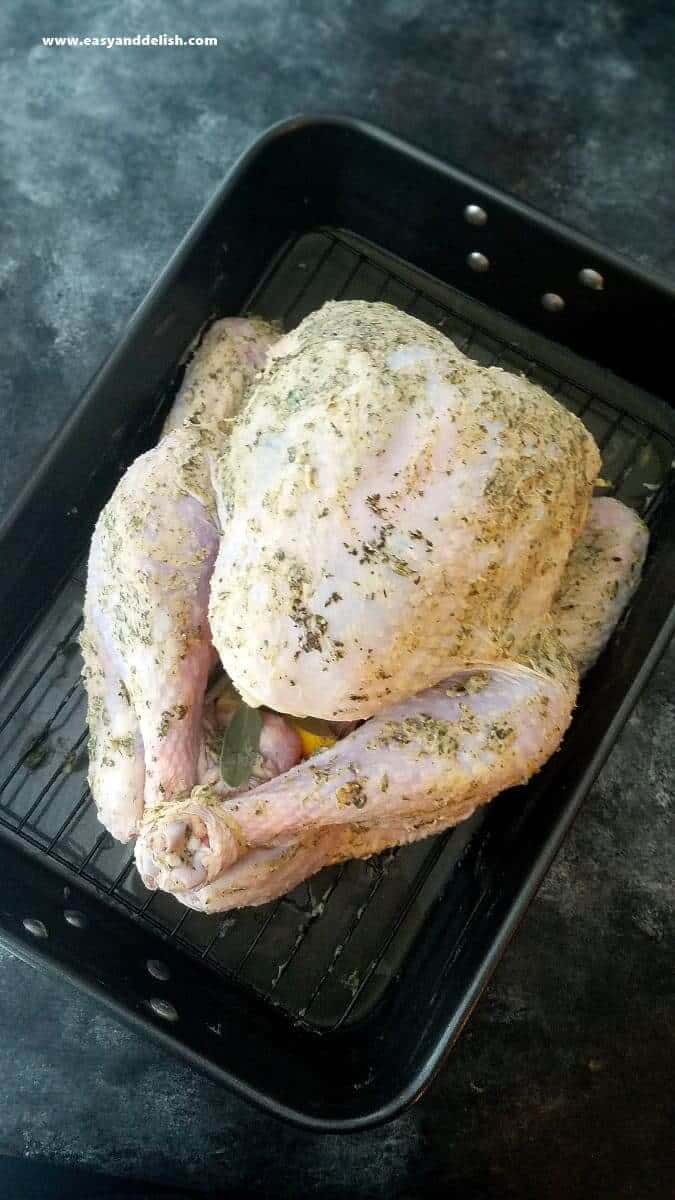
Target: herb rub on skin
x,y
393,510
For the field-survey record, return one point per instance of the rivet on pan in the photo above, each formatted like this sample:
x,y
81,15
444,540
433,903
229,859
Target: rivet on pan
x,y
157,969
75,918
478,261
552,302
36,927
475,215
591,279
163,1008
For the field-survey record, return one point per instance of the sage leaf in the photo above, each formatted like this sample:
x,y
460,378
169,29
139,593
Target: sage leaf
x,y
241,745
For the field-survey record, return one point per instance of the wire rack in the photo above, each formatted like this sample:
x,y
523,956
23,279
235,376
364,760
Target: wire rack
x,y
325,953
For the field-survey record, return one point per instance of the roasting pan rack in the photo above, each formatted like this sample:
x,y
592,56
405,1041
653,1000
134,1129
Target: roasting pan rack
x,y
335,1005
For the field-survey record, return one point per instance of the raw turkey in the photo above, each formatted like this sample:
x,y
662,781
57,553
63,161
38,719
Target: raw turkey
x,y
360,524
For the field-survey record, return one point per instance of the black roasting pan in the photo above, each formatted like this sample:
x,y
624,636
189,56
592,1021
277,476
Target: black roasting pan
x,y
334,1006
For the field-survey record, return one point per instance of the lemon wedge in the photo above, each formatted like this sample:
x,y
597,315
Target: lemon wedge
x,y
314,735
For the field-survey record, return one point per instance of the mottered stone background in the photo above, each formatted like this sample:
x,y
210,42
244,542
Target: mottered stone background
x,y
558,1085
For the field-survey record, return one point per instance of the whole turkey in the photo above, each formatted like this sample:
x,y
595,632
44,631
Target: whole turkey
x,y
356,523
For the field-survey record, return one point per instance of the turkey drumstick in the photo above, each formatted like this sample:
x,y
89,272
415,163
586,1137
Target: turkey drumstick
x,y
435,756
146,642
